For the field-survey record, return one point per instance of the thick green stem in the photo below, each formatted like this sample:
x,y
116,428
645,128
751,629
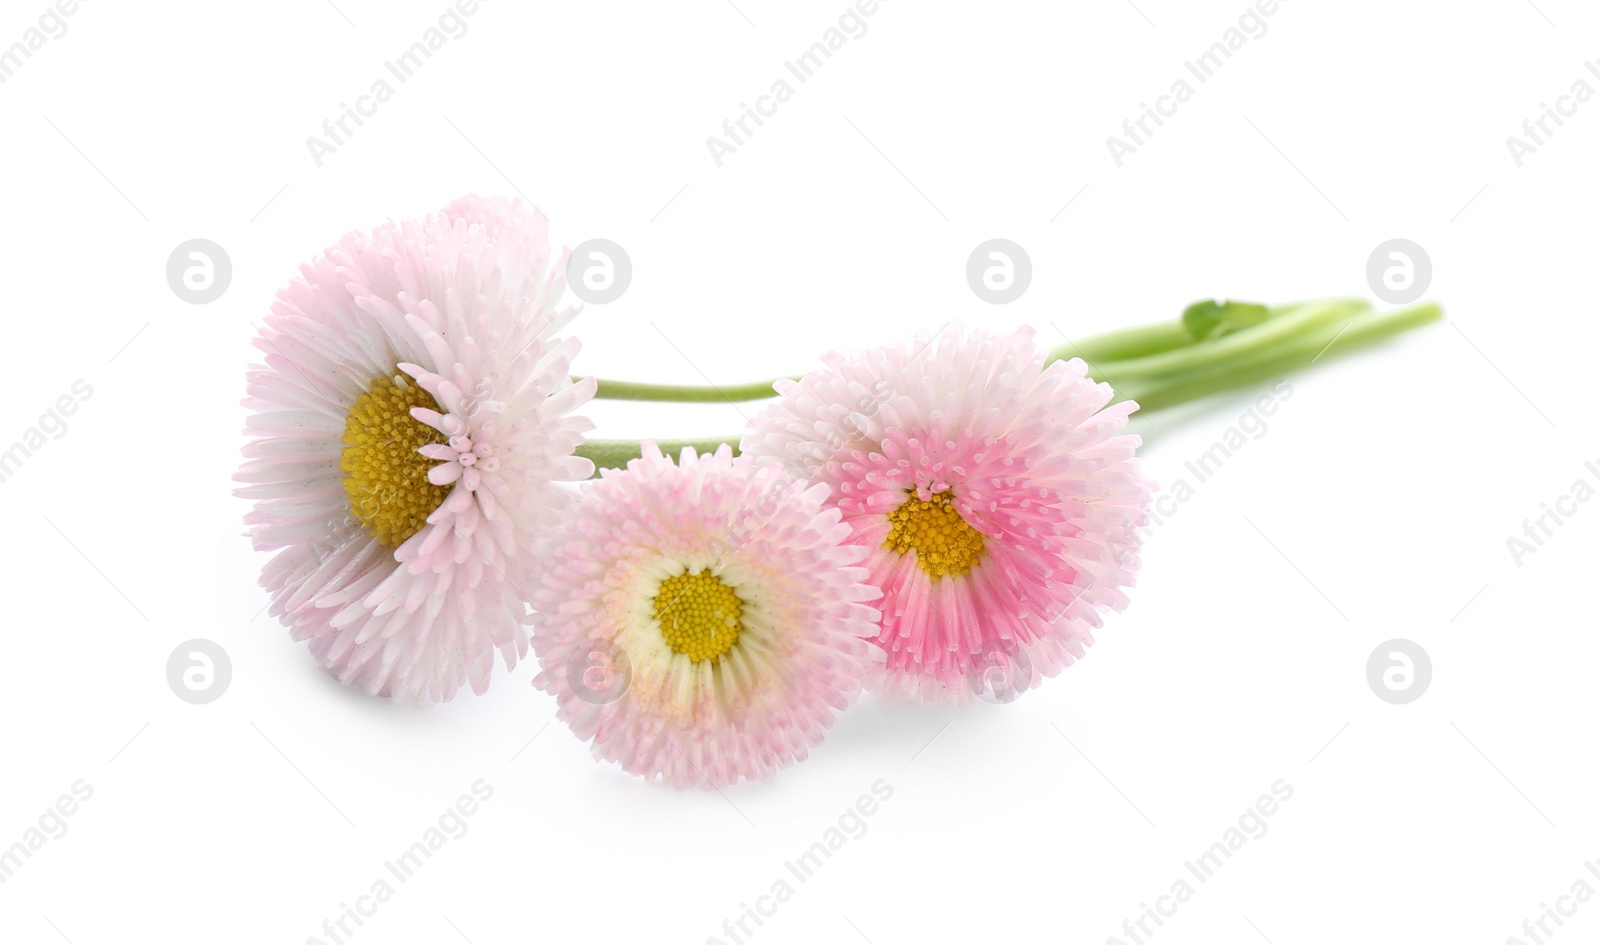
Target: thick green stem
x,y
1241,345
1135,342
1156,349
1159,366
1273,363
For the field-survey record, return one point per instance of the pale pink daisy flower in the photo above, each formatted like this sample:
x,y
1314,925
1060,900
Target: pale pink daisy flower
x,y
998,503
497,213
409,427
701,622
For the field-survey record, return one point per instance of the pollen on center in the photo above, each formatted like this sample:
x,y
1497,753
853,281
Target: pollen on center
x,y
385,478
942,539
699,615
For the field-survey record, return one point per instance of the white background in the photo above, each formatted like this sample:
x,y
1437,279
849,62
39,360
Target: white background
x,y
1377,504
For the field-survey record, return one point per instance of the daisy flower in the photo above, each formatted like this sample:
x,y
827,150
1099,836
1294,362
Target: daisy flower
x,y
499,213
408,427
995,499
701,622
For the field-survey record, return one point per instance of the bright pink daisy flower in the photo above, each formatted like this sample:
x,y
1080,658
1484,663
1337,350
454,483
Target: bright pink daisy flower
x,y
409,426
701,622
996,500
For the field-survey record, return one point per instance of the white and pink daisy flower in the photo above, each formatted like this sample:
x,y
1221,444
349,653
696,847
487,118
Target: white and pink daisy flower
x,y
996,499
408,428
701,622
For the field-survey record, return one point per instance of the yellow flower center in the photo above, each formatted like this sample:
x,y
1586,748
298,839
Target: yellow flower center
x,y
699,615
944,542
385,477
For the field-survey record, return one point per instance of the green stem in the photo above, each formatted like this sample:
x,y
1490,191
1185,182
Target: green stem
x,y
1241,345
1138,341
1270,364
1150,364
683,393
1122,344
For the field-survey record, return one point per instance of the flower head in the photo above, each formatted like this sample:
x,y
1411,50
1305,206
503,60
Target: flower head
x,y
996,501
497,213
409,425
701,622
